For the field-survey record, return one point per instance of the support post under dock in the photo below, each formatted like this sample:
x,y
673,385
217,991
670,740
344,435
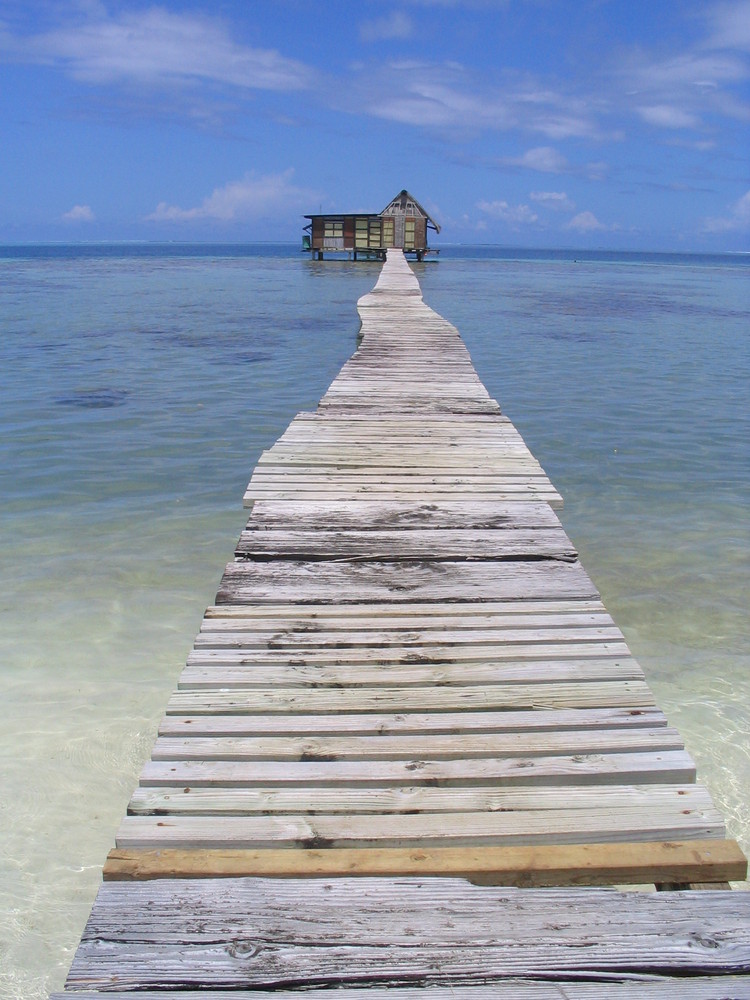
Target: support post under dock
x,y
410,748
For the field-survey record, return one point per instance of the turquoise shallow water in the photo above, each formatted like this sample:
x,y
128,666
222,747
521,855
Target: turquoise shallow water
x,y
139,385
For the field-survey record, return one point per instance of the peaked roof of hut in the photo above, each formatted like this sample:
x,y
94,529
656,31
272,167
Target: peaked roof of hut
x,y
399,204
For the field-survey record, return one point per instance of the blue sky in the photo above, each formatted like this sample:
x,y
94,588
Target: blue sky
x,y
615,123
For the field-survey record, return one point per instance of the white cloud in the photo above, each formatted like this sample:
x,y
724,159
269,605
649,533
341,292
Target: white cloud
x,y
739,217
586,222
558,201
516,215
156,46
545,159
668,116
683,91
250,197
79,213
410,95
450,97
393,25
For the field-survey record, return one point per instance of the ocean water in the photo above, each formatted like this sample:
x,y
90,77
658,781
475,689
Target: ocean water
x,y
138,386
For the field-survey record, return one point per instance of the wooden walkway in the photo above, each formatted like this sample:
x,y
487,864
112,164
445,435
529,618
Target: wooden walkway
x,y
408,674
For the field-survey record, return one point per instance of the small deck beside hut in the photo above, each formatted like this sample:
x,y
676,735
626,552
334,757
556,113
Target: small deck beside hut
x,y
403,224
411,753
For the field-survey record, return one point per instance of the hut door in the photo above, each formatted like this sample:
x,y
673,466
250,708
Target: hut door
x,y
399,238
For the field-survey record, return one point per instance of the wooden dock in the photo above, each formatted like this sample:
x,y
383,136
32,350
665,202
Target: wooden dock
x,y
410,751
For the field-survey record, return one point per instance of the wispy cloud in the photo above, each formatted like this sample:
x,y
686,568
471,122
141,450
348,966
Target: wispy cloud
x,y
687,89
545,159
79,213
587,222
451,98
515,215
249,197
390,26
667,116
158,47
738,218
558,201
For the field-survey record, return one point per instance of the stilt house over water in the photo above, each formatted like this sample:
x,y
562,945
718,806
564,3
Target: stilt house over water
x,y
402,224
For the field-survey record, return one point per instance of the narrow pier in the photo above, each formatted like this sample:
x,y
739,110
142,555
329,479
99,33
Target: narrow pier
x,y
410,751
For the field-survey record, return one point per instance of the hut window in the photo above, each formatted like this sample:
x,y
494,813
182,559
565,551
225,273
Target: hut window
x,y
408,233
360,233
387,232
333,235
375,237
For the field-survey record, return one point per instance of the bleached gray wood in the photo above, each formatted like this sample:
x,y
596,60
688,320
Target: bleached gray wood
x,y
539,543
342,724
462,614
648,988
254,933
504,697
282,581
427,830
664,766
449,747
656,800
377,515
482,643
456,628
234,669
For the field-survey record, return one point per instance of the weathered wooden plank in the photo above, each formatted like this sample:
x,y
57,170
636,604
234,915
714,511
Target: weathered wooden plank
x,y
521,473
481,646
235,669
664,766
424,543
229,635
657,800
380,515
647,987
343,724
505,697
408,629
433,613
406,456
340,830
389,421
452,747
282,581
338,492
254,933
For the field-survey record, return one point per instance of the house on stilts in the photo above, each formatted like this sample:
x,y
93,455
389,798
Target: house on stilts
x,y
402,224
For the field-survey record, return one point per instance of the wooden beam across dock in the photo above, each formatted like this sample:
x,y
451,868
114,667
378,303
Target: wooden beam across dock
x,y
410,744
